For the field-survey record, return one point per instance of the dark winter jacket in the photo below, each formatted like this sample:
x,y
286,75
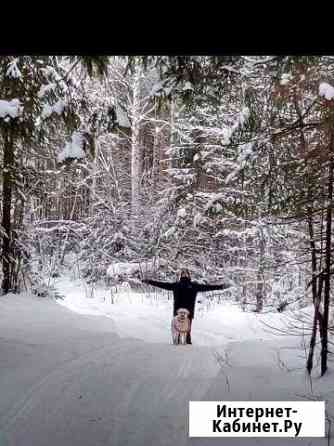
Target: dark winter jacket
x,y
185,292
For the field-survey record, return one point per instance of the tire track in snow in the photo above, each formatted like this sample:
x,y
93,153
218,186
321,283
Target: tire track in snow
x,y
23,404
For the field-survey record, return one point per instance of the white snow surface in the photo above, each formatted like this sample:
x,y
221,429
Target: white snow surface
x,y
11,109
326,90
106,373
132,314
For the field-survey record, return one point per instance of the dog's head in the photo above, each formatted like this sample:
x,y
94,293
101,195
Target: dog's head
x,y
183,313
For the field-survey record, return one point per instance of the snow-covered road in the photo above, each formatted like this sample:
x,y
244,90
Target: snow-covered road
x,y
69,379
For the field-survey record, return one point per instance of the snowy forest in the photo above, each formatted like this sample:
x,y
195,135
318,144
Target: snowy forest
x,y
128,167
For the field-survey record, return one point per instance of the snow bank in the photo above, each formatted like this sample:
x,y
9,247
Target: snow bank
x,y
11,109
326,90
133,312
129,269
122,268
72,149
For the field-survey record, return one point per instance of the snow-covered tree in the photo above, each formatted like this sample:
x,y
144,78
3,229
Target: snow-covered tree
x,y
34,95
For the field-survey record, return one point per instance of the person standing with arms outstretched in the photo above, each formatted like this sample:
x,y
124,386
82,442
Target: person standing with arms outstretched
x,y
185,291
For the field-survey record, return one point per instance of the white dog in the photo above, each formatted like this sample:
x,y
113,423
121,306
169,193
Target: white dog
x,y
180,326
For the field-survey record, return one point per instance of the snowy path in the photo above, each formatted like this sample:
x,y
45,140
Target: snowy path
x,y
69,379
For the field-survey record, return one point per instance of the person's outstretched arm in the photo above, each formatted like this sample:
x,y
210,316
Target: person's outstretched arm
x,y
164,285
204,287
